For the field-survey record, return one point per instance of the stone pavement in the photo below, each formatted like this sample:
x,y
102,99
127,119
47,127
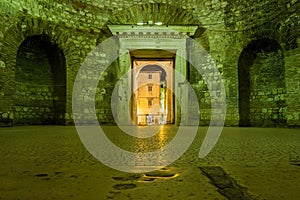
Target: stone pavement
x,y
50,162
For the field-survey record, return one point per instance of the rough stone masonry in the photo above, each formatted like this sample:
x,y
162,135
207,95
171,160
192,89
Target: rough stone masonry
x,y
255,45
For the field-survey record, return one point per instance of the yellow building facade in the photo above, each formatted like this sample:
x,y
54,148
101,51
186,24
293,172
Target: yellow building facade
x,y
153,98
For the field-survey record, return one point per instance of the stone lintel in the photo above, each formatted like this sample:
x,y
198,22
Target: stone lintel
x,y
128,31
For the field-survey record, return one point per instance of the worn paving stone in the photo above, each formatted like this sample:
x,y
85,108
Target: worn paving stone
x,y
226,185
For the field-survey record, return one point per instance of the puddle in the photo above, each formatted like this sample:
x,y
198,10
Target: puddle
x,y
160,174
148,179
125,186
127,178
41,175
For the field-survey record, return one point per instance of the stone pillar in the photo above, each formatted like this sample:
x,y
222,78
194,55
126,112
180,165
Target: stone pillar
x,y
181,109
124,89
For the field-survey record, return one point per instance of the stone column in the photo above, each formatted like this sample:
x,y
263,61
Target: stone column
x,y
124,89
181,86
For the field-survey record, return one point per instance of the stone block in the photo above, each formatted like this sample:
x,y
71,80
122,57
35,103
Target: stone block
x,y
296,115
5,115
2,64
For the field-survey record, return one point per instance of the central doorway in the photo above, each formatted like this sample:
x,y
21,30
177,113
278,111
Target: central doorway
x,y
152,44
153,83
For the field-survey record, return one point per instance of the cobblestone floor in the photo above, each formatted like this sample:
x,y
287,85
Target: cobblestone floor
x,y
50,162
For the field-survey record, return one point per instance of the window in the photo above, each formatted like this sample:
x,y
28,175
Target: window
x,y
149,88
149,76
149,102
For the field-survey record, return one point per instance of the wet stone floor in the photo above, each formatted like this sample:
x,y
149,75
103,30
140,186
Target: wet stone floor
x,y
50,162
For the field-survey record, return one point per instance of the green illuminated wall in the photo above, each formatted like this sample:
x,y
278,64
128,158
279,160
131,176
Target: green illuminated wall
x,y
262,82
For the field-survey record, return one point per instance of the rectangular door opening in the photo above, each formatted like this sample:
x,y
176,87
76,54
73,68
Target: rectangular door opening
x,y
153,83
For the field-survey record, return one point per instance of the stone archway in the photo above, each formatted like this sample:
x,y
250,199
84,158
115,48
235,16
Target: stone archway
x,y
262,88
28,26
40,95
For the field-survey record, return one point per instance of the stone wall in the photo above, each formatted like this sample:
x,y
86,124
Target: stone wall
x,y
292,62
76,27
262,84
198,83
267,90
